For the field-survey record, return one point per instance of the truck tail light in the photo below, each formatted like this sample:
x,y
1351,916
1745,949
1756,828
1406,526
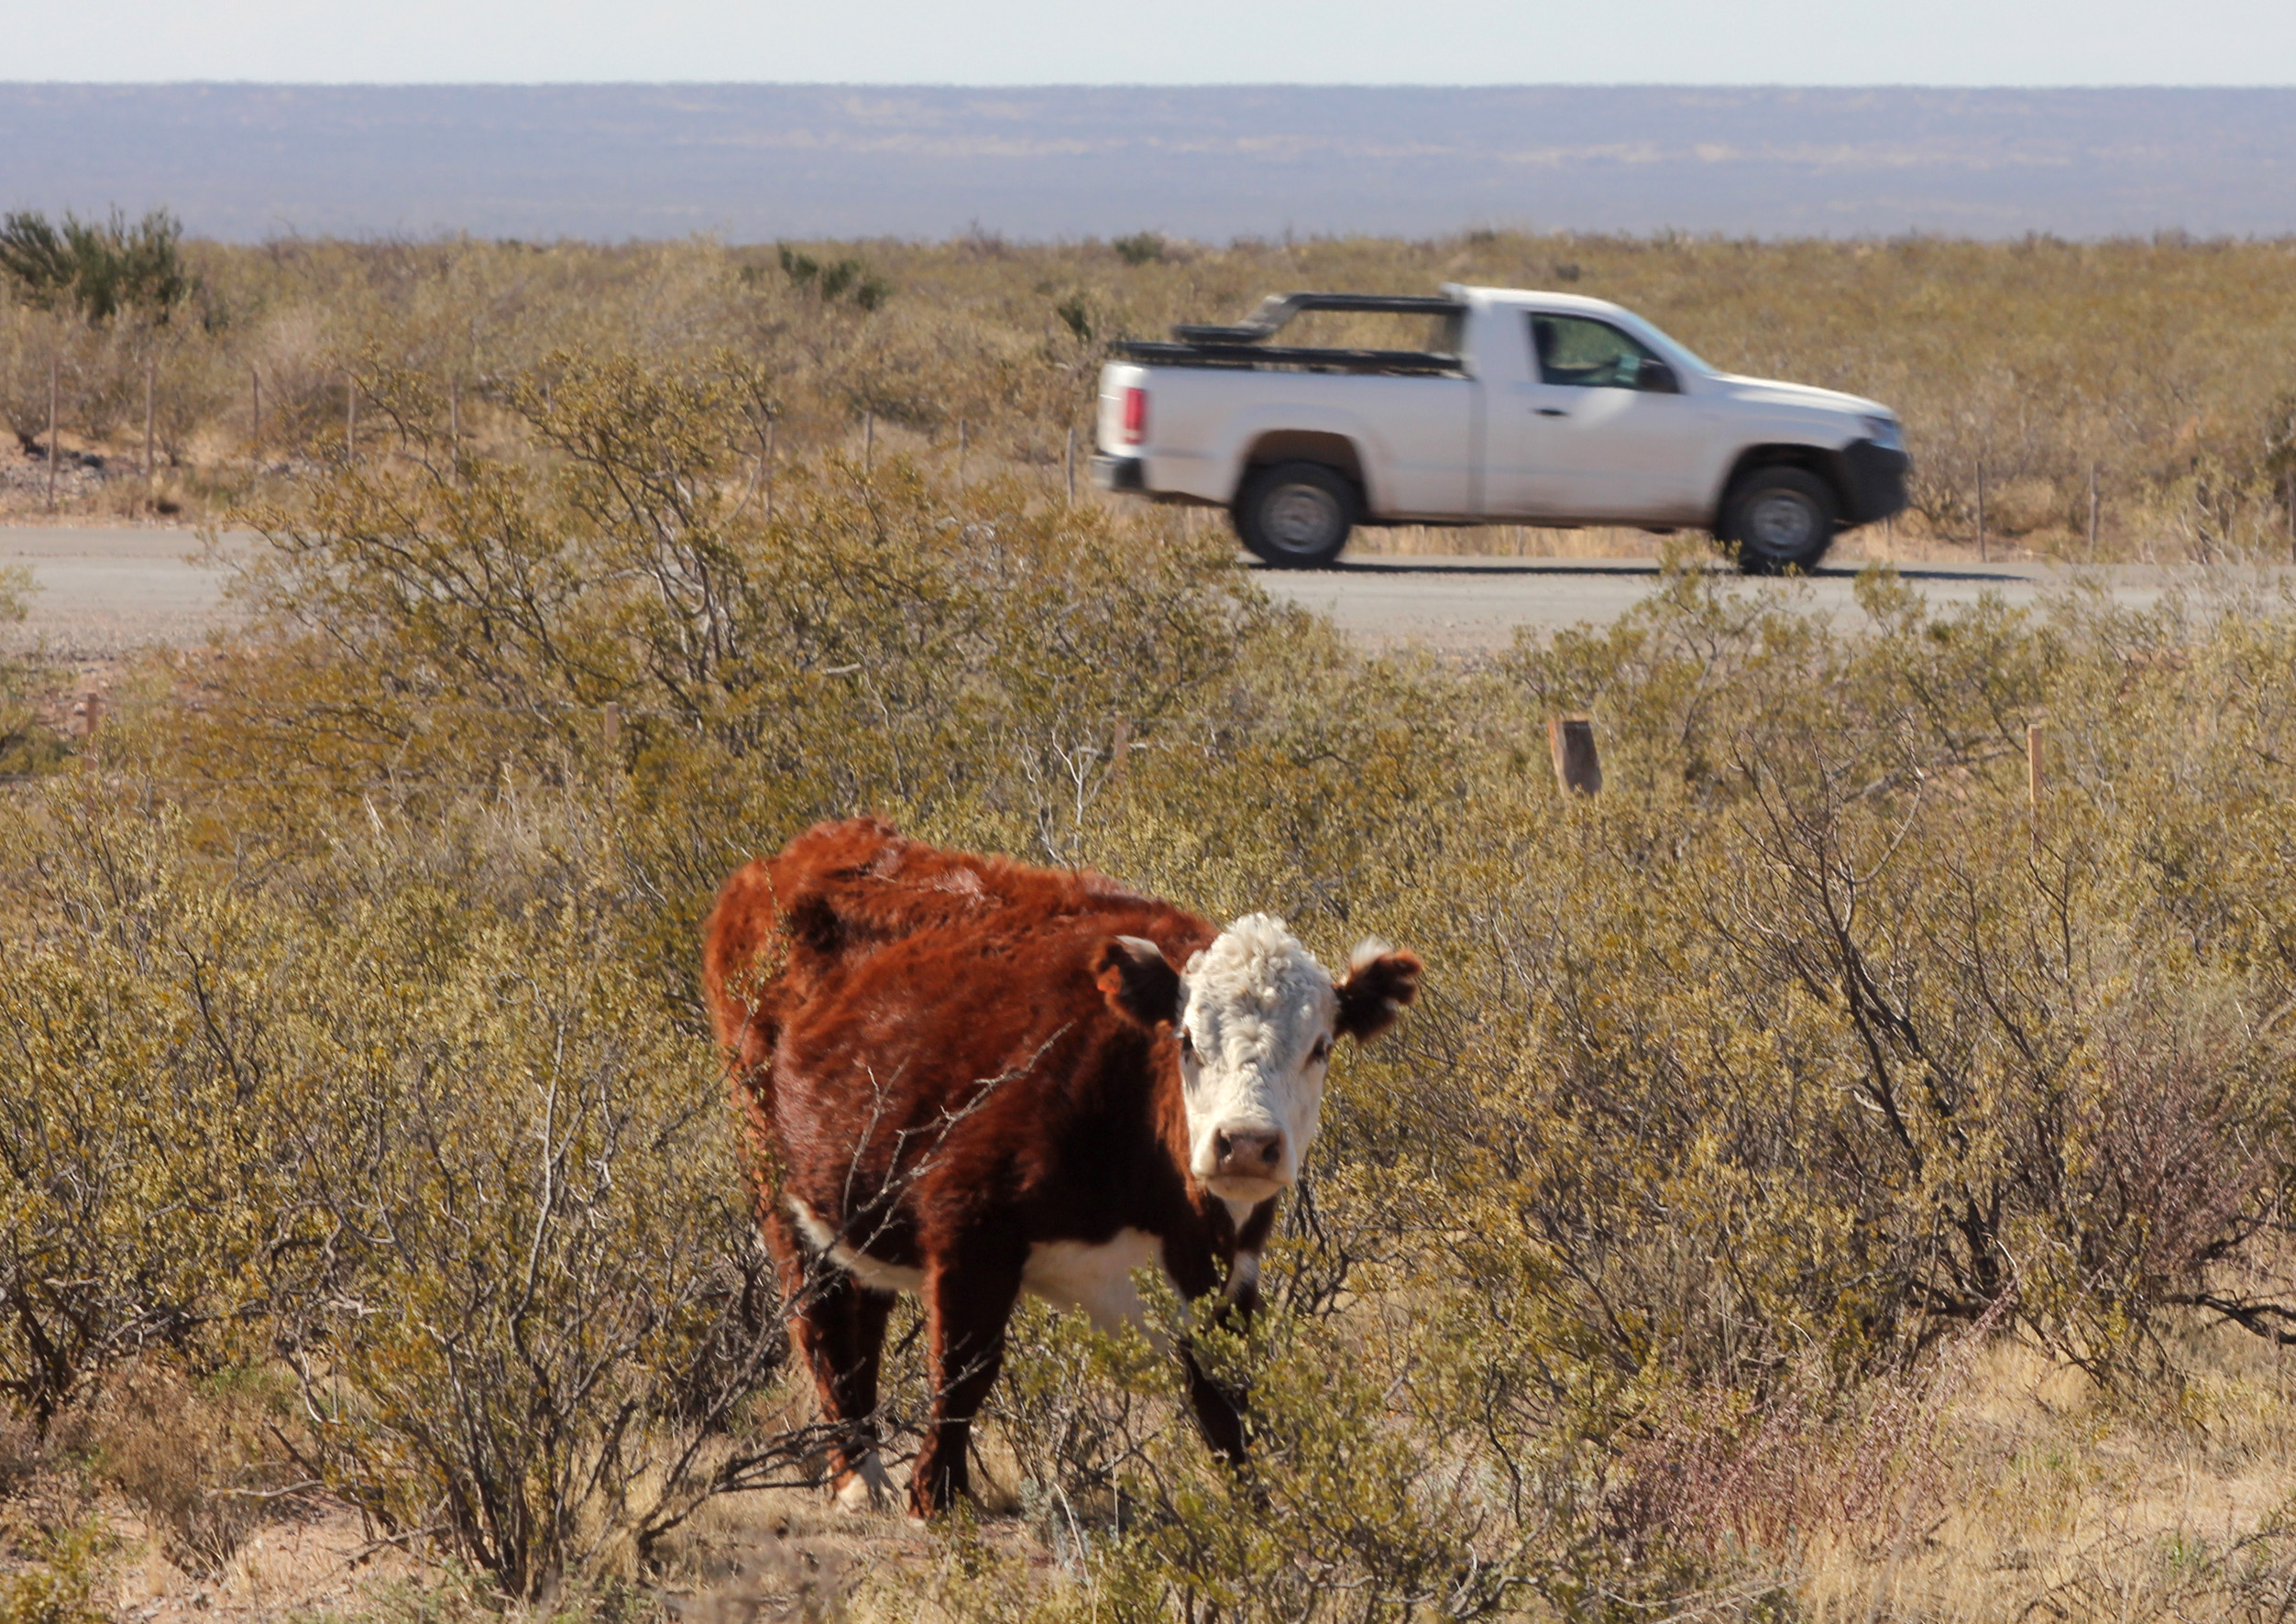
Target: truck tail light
x,y
1134,415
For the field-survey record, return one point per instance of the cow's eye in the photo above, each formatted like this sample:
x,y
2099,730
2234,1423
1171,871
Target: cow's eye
x,y
1321,1052
1187,1044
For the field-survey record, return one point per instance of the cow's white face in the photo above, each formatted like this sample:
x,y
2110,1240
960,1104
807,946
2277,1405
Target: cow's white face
x,y
1256,1023
1255,1016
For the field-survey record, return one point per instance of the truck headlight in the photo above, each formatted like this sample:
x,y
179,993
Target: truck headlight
x,y
1887,433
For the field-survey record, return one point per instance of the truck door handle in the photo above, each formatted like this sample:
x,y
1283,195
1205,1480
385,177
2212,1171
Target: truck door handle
x,y
1552,412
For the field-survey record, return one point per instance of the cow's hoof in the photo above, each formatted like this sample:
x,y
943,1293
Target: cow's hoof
x,y
866,1487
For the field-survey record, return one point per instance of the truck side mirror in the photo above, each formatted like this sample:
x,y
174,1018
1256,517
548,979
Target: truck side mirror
x,y
1657,378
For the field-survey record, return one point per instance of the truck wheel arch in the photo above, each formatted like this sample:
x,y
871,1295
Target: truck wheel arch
x,y
1305,445
1815,460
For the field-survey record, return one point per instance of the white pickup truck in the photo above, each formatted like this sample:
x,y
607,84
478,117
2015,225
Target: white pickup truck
x,y
1541,408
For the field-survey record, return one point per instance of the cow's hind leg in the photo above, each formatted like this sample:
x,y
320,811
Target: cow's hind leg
x,y
839,1325
968,1299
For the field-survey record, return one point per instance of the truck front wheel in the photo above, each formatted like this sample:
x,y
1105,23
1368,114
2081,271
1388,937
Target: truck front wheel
x,y
1295,515
1779,519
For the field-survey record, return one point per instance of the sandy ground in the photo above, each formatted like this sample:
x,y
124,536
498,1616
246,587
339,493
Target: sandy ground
x,y
103,591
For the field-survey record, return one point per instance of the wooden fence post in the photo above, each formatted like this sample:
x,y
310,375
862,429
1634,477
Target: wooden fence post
x,y
255,420
868,440
1119,747
960,451
350,418
2034,764
1570,740
1980,511
151,389
2093,512
1068,465
613,727
91,709
51,431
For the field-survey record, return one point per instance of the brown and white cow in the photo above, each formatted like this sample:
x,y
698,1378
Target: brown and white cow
x,y
974,1078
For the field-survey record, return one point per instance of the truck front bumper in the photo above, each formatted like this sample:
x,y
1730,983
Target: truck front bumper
x,y
1119,473
1876,480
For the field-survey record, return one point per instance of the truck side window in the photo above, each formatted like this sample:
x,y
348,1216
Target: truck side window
x,y
1587,353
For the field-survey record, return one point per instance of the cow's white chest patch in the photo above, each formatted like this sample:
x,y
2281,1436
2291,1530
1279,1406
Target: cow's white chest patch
x,y
876,1276
1096,1278
1065,1274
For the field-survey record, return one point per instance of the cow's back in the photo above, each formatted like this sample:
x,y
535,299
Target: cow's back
x,y
839,892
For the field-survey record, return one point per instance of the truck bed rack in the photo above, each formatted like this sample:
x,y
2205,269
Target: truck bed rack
x,y
1245,344
1246,356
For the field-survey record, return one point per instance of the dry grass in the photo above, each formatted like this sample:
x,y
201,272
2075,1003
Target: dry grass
x,y
2056,1500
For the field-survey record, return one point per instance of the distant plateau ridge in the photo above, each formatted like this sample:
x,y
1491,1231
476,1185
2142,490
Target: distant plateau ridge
x,y
756,162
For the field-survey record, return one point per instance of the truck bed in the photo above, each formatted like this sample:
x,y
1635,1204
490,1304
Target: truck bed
x,y
1242,346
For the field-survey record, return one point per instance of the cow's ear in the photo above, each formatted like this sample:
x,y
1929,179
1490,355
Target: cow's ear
x,y
1379,981
1137,980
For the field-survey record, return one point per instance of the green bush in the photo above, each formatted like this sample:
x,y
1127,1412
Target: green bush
x,y
100,269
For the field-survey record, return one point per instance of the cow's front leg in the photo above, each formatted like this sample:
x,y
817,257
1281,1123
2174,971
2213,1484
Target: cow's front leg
x,y
1218,1405
968,1297
839,1326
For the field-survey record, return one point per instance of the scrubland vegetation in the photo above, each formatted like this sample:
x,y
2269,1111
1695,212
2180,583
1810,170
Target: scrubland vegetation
x,y
2025,371
1821,1177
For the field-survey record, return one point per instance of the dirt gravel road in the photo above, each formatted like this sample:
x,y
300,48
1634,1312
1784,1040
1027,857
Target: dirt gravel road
x,y
101,592
1475,605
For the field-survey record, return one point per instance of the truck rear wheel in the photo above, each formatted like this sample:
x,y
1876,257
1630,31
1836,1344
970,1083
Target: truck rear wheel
x,y
1295,515
1779,519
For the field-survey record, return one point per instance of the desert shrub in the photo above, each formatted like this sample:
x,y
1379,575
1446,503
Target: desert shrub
x,y
1859,934
463,1177
556,1239
27,748
140,1176
1743,1102
1142,248
1350,1507
837,279
875,643
641,568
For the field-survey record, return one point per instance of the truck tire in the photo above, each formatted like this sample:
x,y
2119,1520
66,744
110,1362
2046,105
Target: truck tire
x,y
1779,517
1295,515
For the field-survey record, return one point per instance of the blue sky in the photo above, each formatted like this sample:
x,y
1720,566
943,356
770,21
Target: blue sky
x,y
1954,42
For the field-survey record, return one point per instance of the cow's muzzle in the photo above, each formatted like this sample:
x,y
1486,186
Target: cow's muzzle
x,y
1248,1164
1247,1153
